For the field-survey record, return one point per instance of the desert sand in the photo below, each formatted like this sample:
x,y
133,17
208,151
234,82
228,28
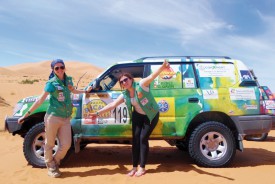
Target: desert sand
x,y
109,163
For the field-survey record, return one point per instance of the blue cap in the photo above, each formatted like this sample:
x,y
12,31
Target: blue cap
x,y
55,61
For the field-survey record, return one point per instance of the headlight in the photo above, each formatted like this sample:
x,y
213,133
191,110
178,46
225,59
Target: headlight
x,y
17,107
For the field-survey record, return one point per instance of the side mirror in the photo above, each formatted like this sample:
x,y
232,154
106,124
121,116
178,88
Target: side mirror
x,y
95,84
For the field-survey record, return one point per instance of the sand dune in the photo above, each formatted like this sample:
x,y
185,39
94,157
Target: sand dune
x,y
43,68
109,163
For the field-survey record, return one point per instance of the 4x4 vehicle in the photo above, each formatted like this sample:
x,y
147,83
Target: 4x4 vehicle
x,y
207,105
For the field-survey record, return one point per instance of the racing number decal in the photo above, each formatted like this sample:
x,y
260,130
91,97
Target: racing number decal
x,y
120,114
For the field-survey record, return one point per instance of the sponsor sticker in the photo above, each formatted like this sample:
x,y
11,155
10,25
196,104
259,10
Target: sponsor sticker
x,y
189,83
269,104
215,70
210,94
163,105
242,94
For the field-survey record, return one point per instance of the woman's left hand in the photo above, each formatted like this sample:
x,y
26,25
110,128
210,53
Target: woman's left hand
x,y
89,89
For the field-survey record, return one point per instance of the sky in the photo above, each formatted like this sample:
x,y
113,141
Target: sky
x,y
102,32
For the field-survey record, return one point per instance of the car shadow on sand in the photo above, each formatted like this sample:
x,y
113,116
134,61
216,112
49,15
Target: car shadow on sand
x,y
168,159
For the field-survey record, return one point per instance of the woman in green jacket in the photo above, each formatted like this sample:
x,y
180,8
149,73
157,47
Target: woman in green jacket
x,y
144,116
58,115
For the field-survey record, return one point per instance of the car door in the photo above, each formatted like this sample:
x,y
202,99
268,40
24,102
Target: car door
x,y
116,123
178,97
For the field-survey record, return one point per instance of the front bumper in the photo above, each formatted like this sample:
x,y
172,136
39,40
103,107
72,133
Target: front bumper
x,y
11,124
256,124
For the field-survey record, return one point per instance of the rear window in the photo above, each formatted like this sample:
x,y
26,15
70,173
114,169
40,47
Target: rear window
x,y
215,75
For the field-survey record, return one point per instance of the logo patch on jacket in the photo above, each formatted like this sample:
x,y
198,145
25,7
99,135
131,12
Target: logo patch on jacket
x,y
144,101
61,97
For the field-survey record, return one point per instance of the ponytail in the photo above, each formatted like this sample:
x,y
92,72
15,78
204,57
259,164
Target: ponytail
x,y
51,75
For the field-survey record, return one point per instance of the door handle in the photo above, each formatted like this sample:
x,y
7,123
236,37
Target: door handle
x,y
193,100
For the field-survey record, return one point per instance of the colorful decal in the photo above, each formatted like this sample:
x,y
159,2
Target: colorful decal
x,y
93,103
163,106
92,107
242,94
215,70
167,73
210,94
169,78
166,106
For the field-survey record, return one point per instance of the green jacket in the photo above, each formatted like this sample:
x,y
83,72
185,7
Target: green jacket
x,y
145,100
60,97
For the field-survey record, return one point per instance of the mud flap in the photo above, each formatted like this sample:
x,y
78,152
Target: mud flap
x,y
77,141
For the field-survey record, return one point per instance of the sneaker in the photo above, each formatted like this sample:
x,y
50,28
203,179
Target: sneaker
x,y
132,172
140,172
54,172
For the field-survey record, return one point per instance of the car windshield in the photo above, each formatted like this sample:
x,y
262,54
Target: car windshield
x,y
109,81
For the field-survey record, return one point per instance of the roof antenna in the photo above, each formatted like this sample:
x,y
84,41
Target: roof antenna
x,y
80,79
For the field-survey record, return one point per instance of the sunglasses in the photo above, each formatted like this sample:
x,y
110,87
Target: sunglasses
x,y
123,81
57,68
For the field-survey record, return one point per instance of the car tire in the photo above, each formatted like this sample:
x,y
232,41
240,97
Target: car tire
x,y
257,137
212,144
33,146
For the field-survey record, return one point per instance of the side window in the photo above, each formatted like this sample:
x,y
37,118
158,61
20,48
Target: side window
x,y
177,76
215,75
170,78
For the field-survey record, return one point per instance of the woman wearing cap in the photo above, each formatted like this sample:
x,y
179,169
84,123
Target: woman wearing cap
x,y
144,117
57,117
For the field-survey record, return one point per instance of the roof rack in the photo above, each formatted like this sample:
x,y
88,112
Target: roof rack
x,y
187,57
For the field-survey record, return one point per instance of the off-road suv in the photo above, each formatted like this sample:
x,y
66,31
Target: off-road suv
x,y
207,105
